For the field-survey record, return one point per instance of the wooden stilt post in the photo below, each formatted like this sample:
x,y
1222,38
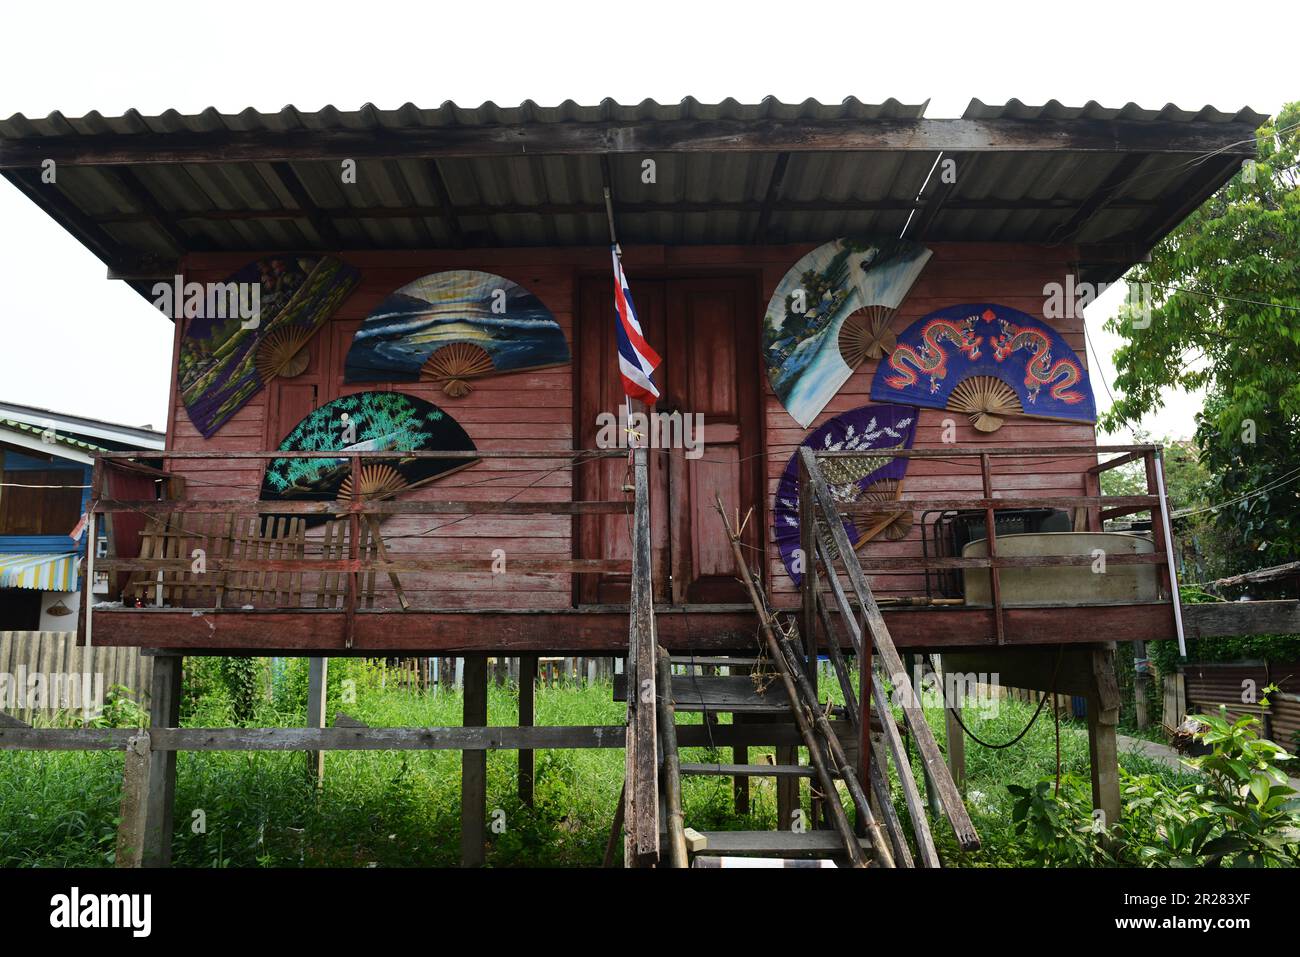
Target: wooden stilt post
x,y
956,737
473,768
317,674
527,704
740,755
1141,678
133,812
164,712
787,789
672,786
1103,716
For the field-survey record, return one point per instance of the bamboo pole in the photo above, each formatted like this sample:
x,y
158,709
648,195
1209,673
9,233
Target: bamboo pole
x,y
672,765
838,817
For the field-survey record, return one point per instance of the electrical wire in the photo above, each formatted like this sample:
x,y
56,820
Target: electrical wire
x,y
956,714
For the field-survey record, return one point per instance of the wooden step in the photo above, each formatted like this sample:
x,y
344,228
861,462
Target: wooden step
x,y
776,844
737,861
748,770
723,662
732,693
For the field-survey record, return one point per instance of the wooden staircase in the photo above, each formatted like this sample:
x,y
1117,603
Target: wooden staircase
x,y
782,681
786,682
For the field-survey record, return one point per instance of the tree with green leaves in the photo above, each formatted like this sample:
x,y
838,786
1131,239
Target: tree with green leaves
x,y
1224,316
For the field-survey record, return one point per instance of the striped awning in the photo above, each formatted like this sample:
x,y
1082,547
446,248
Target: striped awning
x,y
43,572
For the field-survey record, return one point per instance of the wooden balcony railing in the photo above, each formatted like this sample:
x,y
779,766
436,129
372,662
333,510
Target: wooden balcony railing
x,y
1089,511
165,547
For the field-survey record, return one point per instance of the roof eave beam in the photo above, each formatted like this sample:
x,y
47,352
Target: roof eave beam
x,y
674,136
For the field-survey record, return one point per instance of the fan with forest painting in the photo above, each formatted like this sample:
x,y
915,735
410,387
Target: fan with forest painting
x,y
364,422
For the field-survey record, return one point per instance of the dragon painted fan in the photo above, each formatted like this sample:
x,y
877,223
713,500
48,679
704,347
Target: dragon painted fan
x,y
363,422
226,359
830,313
874,476
453,327
986,362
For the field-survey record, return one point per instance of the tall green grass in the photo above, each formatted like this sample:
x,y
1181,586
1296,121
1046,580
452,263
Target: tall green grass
x,y
402,809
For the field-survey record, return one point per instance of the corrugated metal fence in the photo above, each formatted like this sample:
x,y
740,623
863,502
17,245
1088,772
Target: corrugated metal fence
x,y
25,653
1239,687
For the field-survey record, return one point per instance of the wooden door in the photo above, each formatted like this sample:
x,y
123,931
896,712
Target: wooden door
x,y
705,330
711,371
599,390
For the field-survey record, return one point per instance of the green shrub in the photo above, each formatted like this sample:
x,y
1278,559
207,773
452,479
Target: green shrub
x,y
1241,812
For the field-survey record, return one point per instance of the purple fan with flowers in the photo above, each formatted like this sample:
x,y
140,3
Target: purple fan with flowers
x,y
875,475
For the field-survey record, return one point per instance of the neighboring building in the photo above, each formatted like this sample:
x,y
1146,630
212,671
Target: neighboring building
x,y
45,468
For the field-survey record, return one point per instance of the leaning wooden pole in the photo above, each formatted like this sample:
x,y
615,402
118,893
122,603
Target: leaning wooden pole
x,y
672,766
873,624
615,829
848,773
838,817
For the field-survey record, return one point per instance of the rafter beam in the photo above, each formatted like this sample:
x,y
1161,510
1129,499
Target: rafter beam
x,y
583,209
142,196
1101,197
941,188
323,225
770,198
446,209
673,136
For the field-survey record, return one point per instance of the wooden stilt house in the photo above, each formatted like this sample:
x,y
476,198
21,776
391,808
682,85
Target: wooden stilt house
x,y
398,424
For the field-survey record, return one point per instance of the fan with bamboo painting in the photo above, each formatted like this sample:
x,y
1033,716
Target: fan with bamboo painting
x,y
227,358
874,473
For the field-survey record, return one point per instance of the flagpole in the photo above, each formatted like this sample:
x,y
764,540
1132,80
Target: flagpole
x,y
618,251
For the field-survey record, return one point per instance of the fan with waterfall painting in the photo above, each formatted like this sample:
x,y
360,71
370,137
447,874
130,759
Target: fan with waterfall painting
x,y
830,313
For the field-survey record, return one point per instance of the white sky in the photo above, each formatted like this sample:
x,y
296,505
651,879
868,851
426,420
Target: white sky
x,y
75,342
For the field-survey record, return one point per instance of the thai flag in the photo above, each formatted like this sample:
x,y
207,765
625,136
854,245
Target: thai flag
x,y
636,360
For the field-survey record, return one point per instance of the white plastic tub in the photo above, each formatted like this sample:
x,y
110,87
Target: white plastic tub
x,y
1064,584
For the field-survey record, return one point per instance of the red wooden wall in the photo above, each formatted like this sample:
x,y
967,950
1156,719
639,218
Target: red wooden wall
x,y
536,410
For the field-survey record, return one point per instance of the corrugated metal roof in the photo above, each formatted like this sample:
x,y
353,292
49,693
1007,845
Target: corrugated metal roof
x,y
1013,109
53,437
158,210
448,114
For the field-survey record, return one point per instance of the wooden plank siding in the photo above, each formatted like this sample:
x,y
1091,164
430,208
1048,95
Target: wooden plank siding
x,y
536,410
957,273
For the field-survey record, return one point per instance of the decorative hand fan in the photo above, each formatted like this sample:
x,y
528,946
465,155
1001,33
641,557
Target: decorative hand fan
x,y
223,365
365,421
830,312
874,476
987,362
451,327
